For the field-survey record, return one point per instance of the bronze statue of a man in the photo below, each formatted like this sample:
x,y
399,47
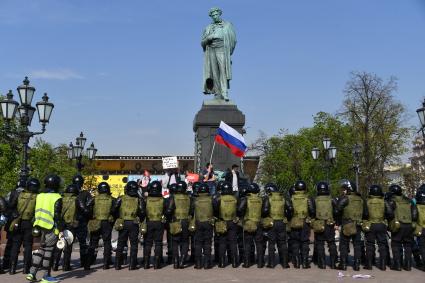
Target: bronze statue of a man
x,y
218,42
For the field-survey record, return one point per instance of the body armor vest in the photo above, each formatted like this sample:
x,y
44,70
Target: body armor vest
x,y
253,209
299,200
154,208
203,208
69,208
277,206
403,212
354,209
102,206
376,208
228,207
26,211
421,215
182,202
324,210
128,208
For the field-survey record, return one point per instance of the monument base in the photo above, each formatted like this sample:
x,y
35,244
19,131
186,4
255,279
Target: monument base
x,y
205,125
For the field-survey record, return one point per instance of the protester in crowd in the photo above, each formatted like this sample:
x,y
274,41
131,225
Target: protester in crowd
x,y
209,177
232,176
144,182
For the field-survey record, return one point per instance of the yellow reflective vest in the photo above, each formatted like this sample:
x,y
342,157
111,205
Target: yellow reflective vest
x,y
45,210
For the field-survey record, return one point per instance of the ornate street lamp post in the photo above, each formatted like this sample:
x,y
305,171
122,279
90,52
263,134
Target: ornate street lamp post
x,y
329,155
356,167
421,115
24,114
76,151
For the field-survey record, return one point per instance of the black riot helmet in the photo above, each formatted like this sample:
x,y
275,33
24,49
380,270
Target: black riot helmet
x,y
78,180
204,188
291,191
52,182
253,188
322,189
181,187
21,184
395,189
348,186
131,188
271,188
72,189
226,188
420,195
300,185
195,187
104,188
376,190
33,185
155,189
173,188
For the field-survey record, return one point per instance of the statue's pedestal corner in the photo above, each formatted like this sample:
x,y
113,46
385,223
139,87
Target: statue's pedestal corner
x,y
218,102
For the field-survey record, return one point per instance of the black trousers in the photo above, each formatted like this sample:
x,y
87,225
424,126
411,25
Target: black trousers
x,y
154,235
251,240
376,234
344,245
277,235
81,233
403,238
180,242
228,241
300,242
203,239
105,232
8,248
22,236
130,232
421,244
327,236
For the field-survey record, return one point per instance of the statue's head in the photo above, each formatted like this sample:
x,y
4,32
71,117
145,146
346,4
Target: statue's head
x,y
215,14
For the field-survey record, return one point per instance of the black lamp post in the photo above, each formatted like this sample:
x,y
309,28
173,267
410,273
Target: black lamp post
x,y
329,155
76,151
356,167
24,113
421,115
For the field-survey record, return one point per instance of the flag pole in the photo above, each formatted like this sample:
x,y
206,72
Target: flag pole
x,y
212,151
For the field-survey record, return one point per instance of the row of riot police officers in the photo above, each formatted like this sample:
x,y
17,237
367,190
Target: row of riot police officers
x,y
241,226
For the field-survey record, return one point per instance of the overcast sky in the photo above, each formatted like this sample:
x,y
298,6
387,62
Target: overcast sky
x,y
129,73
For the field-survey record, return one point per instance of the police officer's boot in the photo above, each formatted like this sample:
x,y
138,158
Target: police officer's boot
x,y
333,261
342,263
12,269
234,261
222,262
1,268
146,262
207,262
246,261
382,264
356,265
417,258
321,261
296,261
176,262
396,264
56,262
260,261
133,263
183,261
407,264
157,262
271,260
305,262
118,259
198,262
368,263
284,259
106,263
66,264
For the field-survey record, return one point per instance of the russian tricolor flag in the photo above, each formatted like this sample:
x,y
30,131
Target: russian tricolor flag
x,y
229,137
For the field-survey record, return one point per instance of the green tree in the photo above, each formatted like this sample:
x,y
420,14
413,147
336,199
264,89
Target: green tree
x,y
287,157
376,120
9,158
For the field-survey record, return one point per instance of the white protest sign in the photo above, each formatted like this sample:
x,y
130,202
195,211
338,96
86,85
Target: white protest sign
x,y
170,162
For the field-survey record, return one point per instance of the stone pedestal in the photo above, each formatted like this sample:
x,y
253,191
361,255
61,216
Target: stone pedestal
x,y
205,125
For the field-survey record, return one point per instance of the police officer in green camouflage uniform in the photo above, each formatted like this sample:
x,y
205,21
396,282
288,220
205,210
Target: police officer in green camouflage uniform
x,y
252,208
203,214
155,210
103,210
405,214
21,226
324,225
131,212
225,207
69,216
420,224
3,220
280,210
352,209
375,228
300,228
178,208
